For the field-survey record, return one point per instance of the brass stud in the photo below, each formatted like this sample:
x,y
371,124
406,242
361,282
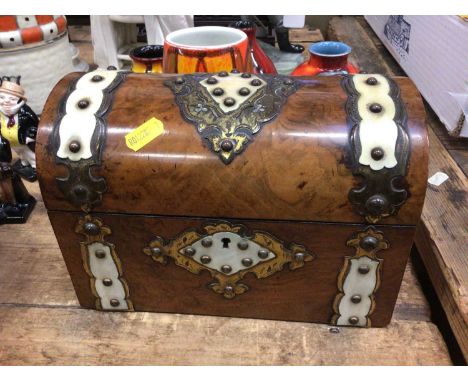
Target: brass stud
x,y
375,108
212,81
226,269
247,262
97,78
114,302
255,82
227,145
205,259
107,282
246,75
74,146
228,289
363,269
299,256
356,298
244,91
353,320
371,81
91,228
263,253
376,204
83,103
207,242
100,253
229,102
190,251
80,191
243,245
369,243
156,251
377,153
179,81
223,74
218,92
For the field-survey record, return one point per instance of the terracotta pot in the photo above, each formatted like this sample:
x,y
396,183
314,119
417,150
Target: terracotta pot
x,y
147,59
205,49
256,61
327,58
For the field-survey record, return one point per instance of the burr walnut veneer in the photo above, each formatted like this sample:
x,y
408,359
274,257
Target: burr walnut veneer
x,y
256,196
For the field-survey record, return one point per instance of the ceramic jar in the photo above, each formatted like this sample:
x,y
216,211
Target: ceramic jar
x,y
326,58
256,61
147,59
205,49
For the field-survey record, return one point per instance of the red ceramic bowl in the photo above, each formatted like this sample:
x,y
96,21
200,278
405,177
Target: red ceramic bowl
x,y
205,49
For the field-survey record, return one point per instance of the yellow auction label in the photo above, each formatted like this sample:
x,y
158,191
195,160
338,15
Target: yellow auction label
x,y
144,134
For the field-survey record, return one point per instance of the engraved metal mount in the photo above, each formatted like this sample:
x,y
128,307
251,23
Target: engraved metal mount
x,y
228,109
79,135
228,252
383,189
103,266
359,279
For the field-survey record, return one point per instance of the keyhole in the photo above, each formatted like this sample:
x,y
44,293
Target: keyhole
x,y
226,242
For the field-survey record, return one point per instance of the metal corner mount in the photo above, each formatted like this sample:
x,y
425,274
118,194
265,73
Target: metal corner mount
x,y
228,109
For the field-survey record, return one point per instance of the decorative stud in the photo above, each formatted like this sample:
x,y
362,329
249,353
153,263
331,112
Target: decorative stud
x,y
80,191
229,102
156,251
97,78
228,289
255,82
179,81
100,253
190,251
247,262
207,242
235,71
107,282
74,146
218,92
353,320
83,103
111,67
263,253
205,259
376,204
91,229
356,298
243,245
377,153
369,243
114,302
223,74
288,81
226,269
244,91
246,75
299,256
227,145
372,81
212,80
363,269
375,108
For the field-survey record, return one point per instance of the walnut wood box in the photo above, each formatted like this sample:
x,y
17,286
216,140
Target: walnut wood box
x,y
262,196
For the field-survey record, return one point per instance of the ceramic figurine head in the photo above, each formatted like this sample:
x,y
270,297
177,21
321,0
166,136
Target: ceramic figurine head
x,y
11,97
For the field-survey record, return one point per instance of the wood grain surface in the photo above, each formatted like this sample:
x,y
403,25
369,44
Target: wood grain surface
x,y
41,323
